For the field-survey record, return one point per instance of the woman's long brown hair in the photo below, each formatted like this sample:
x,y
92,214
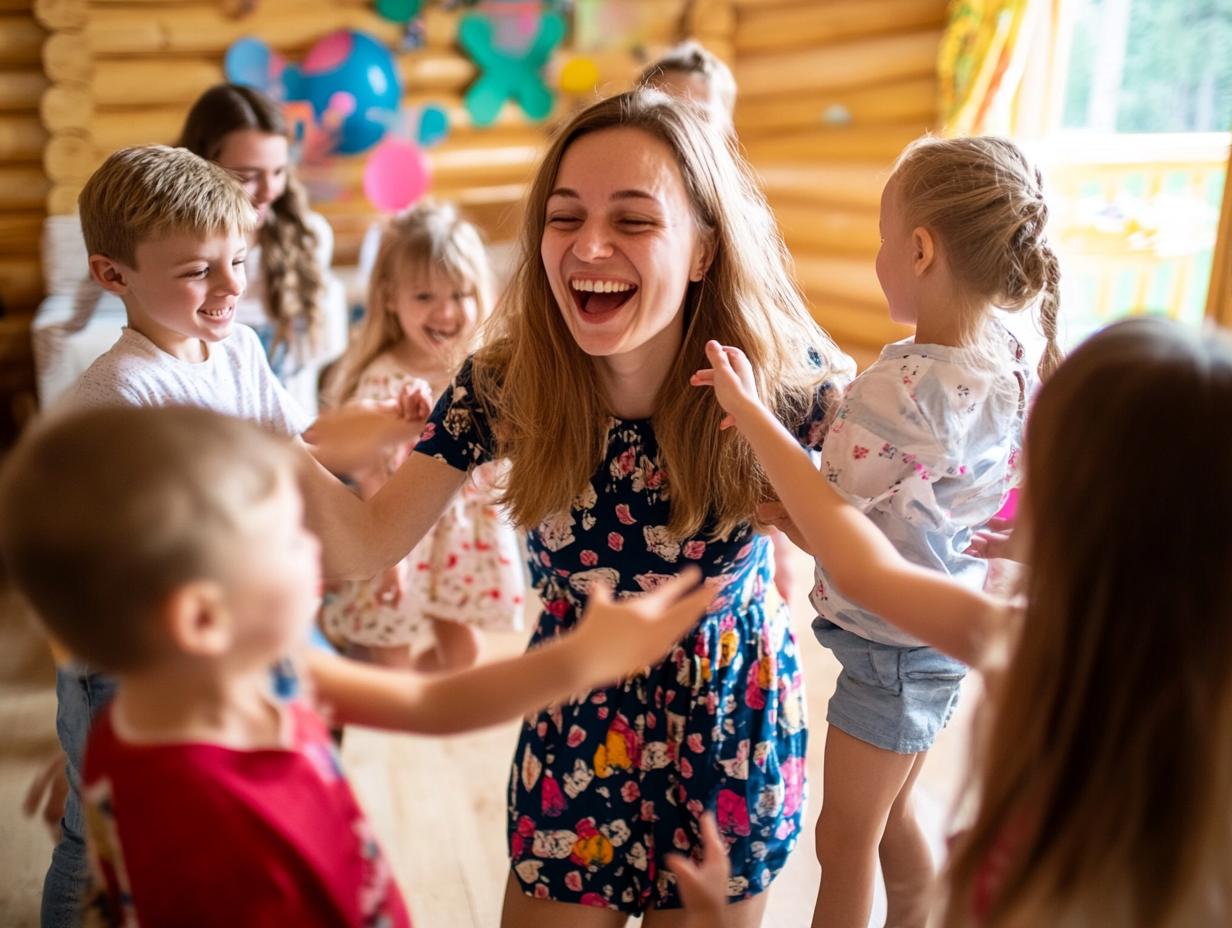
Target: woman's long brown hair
x,y
541,390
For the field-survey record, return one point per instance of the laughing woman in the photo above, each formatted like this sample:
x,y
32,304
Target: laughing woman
x,y
643,238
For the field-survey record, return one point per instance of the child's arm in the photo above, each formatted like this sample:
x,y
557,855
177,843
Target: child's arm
x,y
360,435
859,559
703,885
611,640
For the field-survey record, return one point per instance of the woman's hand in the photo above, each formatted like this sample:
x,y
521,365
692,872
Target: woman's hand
x,y
392,587
731,376
617,638
703,885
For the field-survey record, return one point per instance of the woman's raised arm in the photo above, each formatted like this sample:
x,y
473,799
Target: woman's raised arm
x,y
360,538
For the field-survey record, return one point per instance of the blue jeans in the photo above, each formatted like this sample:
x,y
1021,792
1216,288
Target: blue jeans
x,y
80,695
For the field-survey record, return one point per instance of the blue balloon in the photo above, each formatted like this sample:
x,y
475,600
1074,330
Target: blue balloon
x,y
248,62
352,82
433,125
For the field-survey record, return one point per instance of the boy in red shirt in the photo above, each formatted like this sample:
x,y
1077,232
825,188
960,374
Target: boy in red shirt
x,y
166,546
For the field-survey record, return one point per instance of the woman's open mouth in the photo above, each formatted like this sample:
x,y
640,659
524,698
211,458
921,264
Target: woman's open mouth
x,y
598,299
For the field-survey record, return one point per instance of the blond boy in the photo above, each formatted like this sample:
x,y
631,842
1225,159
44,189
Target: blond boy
x,y
209,801
167,232
692,72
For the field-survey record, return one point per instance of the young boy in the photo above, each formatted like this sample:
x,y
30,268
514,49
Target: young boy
x,y
167,232
208,801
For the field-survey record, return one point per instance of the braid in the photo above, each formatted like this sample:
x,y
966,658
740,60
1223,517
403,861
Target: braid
x,y
294,281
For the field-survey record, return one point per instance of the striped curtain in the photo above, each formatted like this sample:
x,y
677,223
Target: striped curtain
x,y
988,50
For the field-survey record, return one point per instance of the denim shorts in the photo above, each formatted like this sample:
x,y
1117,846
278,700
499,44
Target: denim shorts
x,y
891,697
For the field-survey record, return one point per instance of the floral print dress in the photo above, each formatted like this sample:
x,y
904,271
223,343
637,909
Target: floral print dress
x,y
603,787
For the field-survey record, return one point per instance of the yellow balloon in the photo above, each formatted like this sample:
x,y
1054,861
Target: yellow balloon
x,y
579,76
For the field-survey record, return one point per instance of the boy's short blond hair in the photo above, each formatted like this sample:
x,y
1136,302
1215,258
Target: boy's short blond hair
x,y
105,513
691,57
155,190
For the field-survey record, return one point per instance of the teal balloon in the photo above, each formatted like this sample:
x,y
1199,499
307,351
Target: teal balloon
x,y
398,11
433,125
506,75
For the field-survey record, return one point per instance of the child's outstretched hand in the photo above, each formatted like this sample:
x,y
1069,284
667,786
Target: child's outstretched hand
x,y
618,638
731,376
415,402
703,884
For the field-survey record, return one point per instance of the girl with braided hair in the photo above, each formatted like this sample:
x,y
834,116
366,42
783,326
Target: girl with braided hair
x,y
926,443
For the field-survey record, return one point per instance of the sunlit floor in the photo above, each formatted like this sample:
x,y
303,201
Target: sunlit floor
x,y
438,804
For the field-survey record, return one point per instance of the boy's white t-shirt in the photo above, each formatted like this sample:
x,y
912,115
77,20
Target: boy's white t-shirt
x,y
235,380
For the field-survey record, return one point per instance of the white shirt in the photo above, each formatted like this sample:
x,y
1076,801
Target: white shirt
x,y
235,379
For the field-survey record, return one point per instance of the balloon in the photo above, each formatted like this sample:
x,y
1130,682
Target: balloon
x,y
433,125
580,75
353,85
250,62
398,11
505,74
396,175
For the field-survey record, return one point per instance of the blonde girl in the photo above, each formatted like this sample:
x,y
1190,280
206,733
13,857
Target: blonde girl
x,y
1102,783
642,235
925,443
429,290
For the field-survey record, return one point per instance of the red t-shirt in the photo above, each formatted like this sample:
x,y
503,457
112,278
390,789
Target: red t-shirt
x,y
199,834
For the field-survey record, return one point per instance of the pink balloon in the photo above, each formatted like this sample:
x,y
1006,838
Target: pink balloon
x,y
329,53
396,175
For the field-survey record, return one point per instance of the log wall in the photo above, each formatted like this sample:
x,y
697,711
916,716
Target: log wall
x,y
23,197
830,92
123,72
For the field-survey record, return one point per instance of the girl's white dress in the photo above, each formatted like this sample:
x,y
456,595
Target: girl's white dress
x,y
467,568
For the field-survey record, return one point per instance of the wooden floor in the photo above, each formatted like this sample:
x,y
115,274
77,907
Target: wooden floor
x,y
438,804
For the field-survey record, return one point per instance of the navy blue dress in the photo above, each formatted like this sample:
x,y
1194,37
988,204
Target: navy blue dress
x,y
606,785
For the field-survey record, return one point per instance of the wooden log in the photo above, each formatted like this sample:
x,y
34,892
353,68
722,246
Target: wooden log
x,y
206,28
67,108
484,158
878,144
62,199
71,159
828,229
853,186
21,281
842,277
21,40
20,90
436,70
136,127
23,187
62,14
910,101
711,19
20,232
22,137
776,29
878,60
146,81
67,57
860,330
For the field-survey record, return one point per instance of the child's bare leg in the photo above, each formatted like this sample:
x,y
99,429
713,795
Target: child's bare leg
x,y
861,783
906,861
395,656
456,648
